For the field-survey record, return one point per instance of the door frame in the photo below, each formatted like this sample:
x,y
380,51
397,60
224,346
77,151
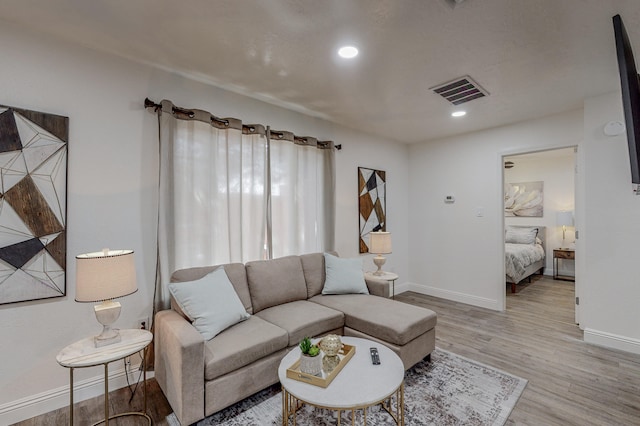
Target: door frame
x,y
578,206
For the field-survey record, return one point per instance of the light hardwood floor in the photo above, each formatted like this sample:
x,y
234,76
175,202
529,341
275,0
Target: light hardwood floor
x,y
570,382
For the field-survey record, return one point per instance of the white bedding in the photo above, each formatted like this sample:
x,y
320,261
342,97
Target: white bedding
x,y
519,256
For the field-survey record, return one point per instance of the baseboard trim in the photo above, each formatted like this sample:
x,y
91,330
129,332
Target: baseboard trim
x,y
449,295
53,399
401,288
612,341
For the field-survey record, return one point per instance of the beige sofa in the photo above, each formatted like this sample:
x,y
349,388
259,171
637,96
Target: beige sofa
x,y
284,299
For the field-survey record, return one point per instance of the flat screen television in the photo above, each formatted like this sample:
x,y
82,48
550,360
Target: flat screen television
x,y
630,95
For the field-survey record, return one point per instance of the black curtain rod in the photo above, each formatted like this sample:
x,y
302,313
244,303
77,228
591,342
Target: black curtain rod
x,y
148,103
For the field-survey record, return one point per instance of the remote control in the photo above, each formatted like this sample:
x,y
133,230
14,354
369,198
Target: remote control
x,y
375,358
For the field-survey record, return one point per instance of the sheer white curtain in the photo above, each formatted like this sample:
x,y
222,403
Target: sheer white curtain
x,y
302,195
229,193
212,200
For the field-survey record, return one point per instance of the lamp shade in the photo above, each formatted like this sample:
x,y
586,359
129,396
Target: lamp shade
x,y
380,242
105,275
564,218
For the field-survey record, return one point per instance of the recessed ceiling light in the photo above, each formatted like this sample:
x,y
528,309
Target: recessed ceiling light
x,y
348,52
458,113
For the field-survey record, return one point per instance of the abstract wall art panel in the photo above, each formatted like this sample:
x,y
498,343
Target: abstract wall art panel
x,y
33,205
525,199
372,204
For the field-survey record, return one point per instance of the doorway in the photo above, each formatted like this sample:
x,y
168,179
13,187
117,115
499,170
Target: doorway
x,y
540,192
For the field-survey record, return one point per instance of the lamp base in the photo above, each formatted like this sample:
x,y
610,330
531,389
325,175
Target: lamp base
x,y
107,313
106,341
379,260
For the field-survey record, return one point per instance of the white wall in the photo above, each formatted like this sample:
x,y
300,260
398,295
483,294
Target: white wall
x,y
557,173
458,255
455,253
610,289
112,193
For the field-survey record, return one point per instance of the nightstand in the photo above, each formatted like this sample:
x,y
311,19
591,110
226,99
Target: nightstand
x,y
83,353
565,254
387,276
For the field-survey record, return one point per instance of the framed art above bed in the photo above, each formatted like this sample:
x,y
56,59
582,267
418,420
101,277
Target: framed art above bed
x,y
524,199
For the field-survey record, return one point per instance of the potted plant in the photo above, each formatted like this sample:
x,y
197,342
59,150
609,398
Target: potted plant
x,y
310,362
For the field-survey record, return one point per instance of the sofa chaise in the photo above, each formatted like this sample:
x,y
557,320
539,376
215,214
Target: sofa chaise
x,y
284,302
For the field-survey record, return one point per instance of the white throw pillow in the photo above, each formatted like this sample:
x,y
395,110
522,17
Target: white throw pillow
x,y
521,235
211,303
343,276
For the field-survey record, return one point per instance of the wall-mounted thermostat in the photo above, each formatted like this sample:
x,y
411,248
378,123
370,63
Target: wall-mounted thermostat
x,y
449,199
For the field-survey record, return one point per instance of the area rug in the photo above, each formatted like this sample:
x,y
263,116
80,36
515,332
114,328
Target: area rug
x,y
449,390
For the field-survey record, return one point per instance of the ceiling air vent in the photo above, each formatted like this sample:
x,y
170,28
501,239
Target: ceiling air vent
x,y
460,90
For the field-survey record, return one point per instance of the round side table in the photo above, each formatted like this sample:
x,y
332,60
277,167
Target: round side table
x,y
387,276
83,353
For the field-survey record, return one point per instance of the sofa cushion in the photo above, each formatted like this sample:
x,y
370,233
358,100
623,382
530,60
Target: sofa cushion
x,y
343,276
241,345
303,319
235,272
314,274
210,302
274,282
389,320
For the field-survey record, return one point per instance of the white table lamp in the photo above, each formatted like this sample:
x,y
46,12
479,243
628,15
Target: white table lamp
x,y
101,277
564,219
379,244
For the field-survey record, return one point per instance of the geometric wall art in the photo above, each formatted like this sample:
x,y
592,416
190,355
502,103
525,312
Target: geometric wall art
x,y
33,205
525,199
372,204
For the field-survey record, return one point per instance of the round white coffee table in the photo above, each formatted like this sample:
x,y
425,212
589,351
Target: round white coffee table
x,y
358,386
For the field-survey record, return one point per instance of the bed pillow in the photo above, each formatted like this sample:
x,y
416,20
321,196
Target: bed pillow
x,y
521,235
343,276
211,303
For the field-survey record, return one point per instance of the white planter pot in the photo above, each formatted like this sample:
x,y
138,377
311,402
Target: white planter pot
x,y
311,364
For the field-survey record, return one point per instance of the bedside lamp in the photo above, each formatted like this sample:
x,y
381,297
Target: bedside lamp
x,y
101,277
379,244
564,219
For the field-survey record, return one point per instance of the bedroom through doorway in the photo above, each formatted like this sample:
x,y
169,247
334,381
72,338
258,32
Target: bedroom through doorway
x,y
539,228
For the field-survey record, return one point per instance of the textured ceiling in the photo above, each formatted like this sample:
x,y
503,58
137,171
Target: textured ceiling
x,y
534,57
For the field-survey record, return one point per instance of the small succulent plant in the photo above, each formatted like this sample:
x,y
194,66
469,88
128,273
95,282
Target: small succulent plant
x,y
308,348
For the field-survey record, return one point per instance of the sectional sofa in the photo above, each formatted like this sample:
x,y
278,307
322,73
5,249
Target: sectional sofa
x,y
284,302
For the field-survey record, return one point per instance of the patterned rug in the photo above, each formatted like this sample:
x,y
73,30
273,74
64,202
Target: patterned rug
x,y
450,390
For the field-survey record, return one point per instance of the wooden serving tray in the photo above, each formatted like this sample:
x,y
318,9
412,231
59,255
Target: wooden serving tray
x,y
345,354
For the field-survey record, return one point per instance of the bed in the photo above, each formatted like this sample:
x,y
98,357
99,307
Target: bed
x,y
524,253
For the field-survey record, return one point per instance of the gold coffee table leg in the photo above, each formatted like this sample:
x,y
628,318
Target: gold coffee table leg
x,y
401,405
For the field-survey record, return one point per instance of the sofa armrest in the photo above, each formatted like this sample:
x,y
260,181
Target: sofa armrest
x,y
179,365
378,286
